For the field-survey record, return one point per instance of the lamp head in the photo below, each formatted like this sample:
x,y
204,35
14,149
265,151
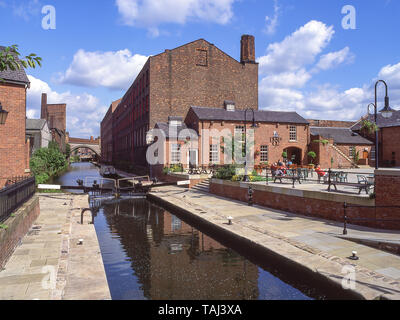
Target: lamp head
x,y
387,111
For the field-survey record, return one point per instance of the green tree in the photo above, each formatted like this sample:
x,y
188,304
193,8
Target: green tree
x,y
312,155
11,59
47,162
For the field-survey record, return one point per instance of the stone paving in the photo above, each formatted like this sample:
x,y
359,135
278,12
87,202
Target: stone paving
x,y
322,238
45,265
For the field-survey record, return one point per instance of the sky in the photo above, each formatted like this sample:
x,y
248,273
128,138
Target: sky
x,y
319,58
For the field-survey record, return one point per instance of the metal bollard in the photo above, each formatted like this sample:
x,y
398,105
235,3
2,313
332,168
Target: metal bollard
x,y
250,193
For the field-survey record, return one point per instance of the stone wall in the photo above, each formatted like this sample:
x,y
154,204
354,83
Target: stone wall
x,y
18,226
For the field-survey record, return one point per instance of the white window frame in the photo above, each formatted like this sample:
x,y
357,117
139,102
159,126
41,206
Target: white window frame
x,y
214,153
264,153
175,153
292,133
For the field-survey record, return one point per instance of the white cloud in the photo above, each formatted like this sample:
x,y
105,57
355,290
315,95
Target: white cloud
x,y
391,73
26,9
333,59
272,22
84,111
114,70
298,49
151,14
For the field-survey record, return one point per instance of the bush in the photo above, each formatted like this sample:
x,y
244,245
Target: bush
x,y
42,178
226,172
47,162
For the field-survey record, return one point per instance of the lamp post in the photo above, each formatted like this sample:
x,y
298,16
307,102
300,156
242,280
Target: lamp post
x,y
254,126
3,115
386,113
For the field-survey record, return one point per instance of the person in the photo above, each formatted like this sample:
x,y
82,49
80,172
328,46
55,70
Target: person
x,y
319,171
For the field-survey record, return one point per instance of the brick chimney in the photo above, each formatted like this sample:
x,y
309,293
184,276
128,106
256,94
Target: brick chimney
x,y
43,114
247,51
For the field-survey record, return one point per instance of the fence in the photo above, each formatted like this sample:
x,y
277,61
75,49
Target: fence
x,y
14,195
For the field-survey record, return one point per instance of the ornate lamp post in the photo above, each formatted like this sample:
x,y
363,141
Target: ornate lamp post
x,y
254,126
3,115
386,113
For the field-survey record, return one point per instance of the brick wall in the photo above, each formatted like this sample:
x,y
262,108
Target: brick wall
x,y
390,146
199,74
18,226
14,154
331,123
387,190
309,203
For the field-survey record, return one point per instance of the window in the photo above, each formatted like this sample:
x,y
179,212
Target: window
x,y
352,152
214,154
241,136
293,133
175,153
264,154
201,58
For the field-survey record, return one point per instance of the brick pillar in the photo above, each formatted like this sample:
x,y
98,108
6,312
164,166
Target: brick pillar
x,y
387,190
247,53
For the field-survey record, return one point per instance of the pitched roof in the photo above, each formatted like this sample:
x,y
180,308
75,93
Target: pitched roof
x,y
165,127
393,121
35,124
219,114
14,76
340,135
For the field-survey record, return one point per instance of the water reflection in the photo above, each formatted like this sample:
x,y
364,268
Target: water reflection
x,y
149,253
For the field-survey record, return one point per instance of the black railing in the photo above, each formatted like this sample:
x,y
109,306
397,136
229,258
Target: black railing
x,y
14,195
348,219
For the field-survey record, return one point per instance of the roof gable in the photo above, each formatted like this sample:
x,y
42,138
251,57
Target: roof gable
x,y
18,76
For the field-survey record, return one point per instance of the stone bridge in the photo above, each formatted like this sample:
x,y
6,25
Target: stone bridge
x,y
91,144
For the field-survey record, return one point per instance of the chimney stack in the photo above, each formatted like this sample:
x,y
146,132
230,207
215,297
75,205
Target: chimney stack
x,y
43,114
247,52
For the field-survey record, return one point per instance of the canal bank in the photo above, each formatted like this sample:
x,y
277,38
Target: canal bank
x,y
50,263
310,249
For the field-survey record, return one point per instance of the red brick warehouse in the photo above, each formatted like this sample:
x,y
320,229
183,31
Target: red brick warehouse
x,y
197,73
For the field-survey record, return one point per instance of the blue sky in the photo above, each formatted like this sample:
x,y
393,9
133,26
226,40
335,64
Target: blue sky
x,y
308,61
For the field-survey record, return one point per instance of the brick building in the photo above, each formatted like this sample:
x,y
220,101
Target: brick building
x,y
14,147
336,147
106,133
277,132
56,117
197,73
389,137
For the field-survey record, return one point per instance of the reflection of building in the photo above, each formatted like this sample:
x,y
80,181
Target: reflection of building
x,y
14,148
56,117
172,260
38,133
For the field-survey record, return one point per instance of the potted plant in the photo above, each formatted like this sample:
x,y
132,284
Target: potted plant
x,y
284,155
312,155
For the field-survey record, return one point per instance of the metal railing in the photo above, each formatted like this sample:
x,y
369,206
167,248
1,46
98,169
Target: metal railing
x,y
348,219
14,195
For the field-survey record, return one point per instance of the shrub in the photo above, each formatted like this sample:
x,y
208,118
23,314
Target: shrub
x,y
42,178
312,155
226,172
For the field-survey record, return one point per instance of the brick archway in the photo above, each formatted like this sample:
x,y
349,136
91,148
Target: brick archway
x,y
295,155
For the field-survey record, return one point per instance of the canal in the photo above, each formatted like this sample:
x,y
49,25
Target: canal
x,y
149,253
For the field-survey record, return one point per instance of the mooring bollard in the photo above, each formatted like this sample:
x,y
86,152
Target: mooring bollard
x,y
250,193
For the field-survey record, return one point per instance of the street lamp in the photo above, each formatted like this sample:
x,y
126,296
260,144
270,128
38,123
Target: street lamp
x,y
254,126
386,113
3,115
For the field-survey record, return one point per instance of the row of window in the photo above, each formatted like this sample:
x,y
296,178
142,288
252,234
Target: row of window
x,y
292,132
214,153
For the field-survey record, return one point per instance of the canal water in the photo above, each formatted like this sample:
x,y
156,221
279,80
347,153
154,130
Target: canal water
x,y
149,253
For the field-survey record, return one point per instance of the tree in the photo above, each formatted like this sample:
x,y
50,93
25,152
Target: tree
x,y
10,59
312,155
